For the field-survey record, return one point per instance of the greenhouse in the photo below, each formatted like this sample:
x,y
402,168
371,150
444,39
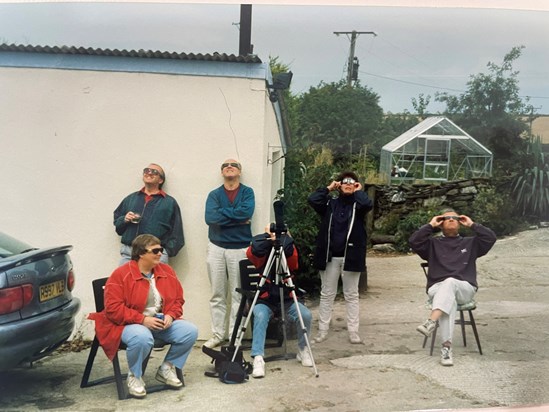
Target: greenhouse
x,y
434,150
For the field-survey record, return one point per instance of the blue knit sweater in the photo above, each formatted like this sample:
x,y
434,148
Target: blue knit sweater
x,y
229,223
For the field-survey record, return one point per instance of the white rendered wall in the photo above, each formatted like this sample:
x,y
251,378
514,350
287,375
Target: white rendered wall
x,y
73,144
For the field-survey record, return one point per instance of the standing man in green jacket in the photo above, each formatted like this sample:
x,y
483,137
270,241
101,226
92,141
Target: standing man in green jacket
x,y
229,210
151,211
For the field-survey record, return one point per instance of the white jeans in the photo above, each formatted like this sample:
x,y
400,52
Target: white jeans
x,y
329,279
445,296
224,274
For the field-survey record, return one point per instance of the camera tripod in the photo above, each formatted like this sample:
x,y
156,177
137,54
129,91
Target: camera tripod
x,y
283,280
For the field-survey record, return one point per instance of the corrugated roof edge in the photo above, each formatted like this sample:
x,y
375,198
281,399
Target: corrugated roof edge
x,y
146,54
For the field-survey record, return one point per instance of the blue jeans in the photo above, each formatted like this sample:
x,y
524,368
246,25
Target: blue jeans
x,y
262,315
139,340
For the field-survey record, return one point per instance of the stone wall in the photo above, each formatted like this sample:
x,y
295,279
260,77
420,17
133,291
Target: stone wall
x,y
405,198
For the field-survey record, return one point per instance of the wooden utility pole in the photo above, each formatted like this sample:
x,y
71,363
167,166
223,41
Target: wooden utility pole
x,y
350,64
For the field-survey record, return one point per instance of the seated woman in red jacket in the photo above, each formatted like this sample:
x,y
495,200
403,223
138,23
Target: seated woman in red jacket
x,y
143,301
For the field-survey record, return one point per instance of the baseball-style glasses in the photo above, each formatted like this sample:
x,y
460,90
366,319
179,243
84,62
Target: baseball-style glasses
x,y
348,181
155,251
224,165
149,171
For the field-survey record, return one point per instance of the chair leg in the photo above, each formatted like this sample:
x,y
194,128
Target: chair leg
x,y
474,326
119,379
433,338
89,363
462,323
179,374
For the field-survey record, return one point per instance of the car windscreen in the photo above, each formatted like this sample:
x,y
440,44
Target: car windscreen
x,y
10,246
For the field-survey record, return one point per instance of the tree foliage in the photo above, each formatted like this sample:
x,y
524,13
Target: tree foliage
x,y
491,110
338,116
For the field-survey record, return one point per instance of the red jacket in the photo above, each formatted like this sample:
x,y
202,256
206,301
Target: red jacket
x,y
126,294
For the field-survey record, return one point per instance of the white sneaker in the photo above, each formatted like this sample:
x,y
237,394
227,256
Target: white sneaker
x,y
355,338
322,336
446,357
136,386
304,357
168,376
213,342
427,327
259,367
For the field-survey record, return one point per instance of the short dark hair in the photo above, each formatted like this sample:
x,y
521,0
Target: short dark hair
x,y
350,174
141,243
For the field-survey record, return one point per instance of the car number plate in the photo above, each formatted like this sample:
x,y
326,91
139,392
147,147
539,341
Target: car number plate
x,y
52,290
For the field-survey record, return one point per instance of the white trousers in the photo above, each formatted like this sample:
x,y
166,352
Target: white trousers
x,y
445,296
329,279
224,274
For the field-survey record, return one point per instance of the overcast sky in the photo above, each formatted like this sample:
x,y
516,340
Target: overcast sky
x,y
416,50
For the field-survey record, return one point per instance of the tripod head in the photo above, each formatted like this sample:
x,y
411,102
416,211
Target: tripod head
x,y
279,227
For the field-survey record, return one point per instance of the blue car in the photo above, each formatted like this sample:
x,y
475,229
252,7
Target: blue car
x,y
37,309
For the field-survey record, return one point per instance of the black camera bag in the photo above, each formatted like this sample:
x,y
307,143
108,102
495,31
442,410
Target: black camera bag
x,y
225,369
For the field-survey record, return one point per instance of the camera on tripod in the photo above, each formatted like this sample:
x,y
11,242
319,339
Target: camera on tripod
x,y
279,227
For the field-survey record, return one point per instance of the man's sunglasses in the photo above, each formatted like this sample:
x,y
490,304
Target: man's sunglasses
x,y
155,251
148,170
224,165
450,218
348,181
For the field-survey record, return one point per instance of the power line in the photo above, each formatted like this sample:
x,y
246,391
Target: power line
x,y
436,87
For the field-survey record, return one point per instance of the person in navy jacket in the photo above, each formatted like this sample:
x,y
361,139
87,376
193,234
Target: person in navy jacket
x,y
340,248
452,274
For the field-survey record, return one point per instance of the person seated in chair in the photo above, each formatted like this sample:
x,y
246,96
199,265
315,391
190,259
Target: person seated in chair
x,y
269,304
143,301
452,274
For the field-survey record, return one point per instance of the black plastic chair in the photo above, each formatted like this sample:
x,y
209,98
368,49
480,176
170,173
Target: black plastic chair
x,y
250,277
98,294
468,307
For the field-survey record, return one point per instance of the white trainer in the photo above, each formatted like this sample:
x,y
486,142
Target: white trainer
x,y
136,386
355,338
446,358
168,376
322,336
213,342
258,367
304,357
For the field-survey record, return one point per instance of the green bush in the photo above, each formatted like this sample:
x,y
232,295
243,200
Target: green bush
x,y
409,224
491,209
531,188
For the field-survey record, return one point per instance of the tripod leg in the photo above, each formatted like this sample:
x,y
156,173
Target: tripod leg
x,y
283,321
291,286
304,331
256,296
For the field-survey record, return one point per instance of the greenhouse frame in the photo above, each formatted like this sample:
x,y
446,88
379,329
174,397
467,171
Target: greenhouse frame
x,y
434,150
